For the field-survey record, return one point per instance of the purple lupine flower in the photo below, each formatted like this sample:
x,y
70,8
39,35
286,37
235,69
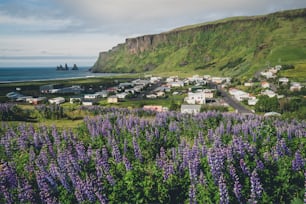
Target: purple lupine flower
x,y
81,151
224,197
137,150
256,187
244,167
237,189
259,164
26,193
44,189
216,162
127,163
116,152
168,170
192,194
298,162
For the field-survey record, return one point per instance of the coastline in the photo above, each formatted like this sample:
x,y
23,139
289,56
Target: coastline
x,y
35,74
62,79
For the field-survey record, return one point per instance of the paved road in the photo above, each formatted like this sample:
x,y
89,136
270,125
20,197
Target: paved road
x,y
231,101
234,103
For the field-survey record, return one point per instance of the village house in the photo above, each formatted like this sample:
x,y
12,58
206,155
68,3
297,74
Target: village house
x,y
196,79
190,109
125,85
269,93
239,95
283,80
46,88
73,100
267,75
140,82
87,102
295,86
155,108
112,89
73,89
23,98
252,101
122,95
176,84
160,94
218,80
36,101
265,84
102,94
130,91
248,84
163,88
91,96
152,96
195,98
112,99
207,77
57,100
172,79
138,88
154,80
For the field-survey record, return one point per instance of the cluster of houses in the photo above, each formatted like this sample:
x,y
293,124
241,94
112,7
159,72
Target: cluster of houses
x,y
153,87
271,73
268,89
196,95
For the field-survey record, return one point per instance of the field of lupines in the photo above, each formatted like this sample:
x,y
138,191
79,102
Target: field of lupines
x,y
137,156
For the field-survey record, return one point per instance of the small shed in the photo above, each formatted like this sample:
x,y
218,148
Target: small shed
x,y
191,109
57,100
112,99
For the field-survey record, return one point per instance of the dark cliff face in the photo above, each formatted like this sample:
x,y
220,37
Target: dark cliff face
x,y
198,41
144,43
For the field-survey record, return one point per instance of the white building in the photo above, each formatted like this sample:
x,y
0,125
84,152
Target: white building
x,y
218,80
268,75
195,98
102,94
190,109
172,79
283,80
252,102
248,84
151,96
91,96
142,82
57,100
176,84
269,93
239,95
112,99
265,84
155,79
295,86
122,95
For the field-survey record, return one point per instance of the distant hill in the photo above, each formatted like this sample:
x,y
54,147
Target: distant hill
x,y
237,46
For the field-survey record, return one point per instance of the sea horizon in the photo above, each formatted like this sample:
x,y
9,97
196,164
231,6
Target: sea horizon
x,y
45,73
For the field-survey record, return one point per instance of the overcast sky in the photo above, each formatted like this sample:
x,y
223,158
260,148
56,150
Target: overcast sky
x,y
52,32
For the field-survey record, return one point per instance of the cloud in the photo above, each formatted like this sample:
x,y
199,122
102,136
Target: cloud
x,y
83,28
132,16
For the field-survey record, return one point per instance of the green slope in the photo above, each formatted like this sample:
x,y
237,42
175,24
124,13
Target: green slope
x,y
237,46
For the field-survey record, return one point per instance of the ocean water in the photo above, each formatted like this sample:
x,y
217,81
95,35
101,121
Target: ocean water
x,y
19,74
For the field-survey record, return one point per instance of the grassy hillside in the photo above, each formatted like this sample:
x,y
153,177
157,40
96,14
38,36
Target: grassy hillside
x,y
233,47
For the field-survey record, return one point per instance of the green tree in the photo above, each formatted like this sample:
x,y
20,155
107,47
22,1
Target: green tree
x,y
267,104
